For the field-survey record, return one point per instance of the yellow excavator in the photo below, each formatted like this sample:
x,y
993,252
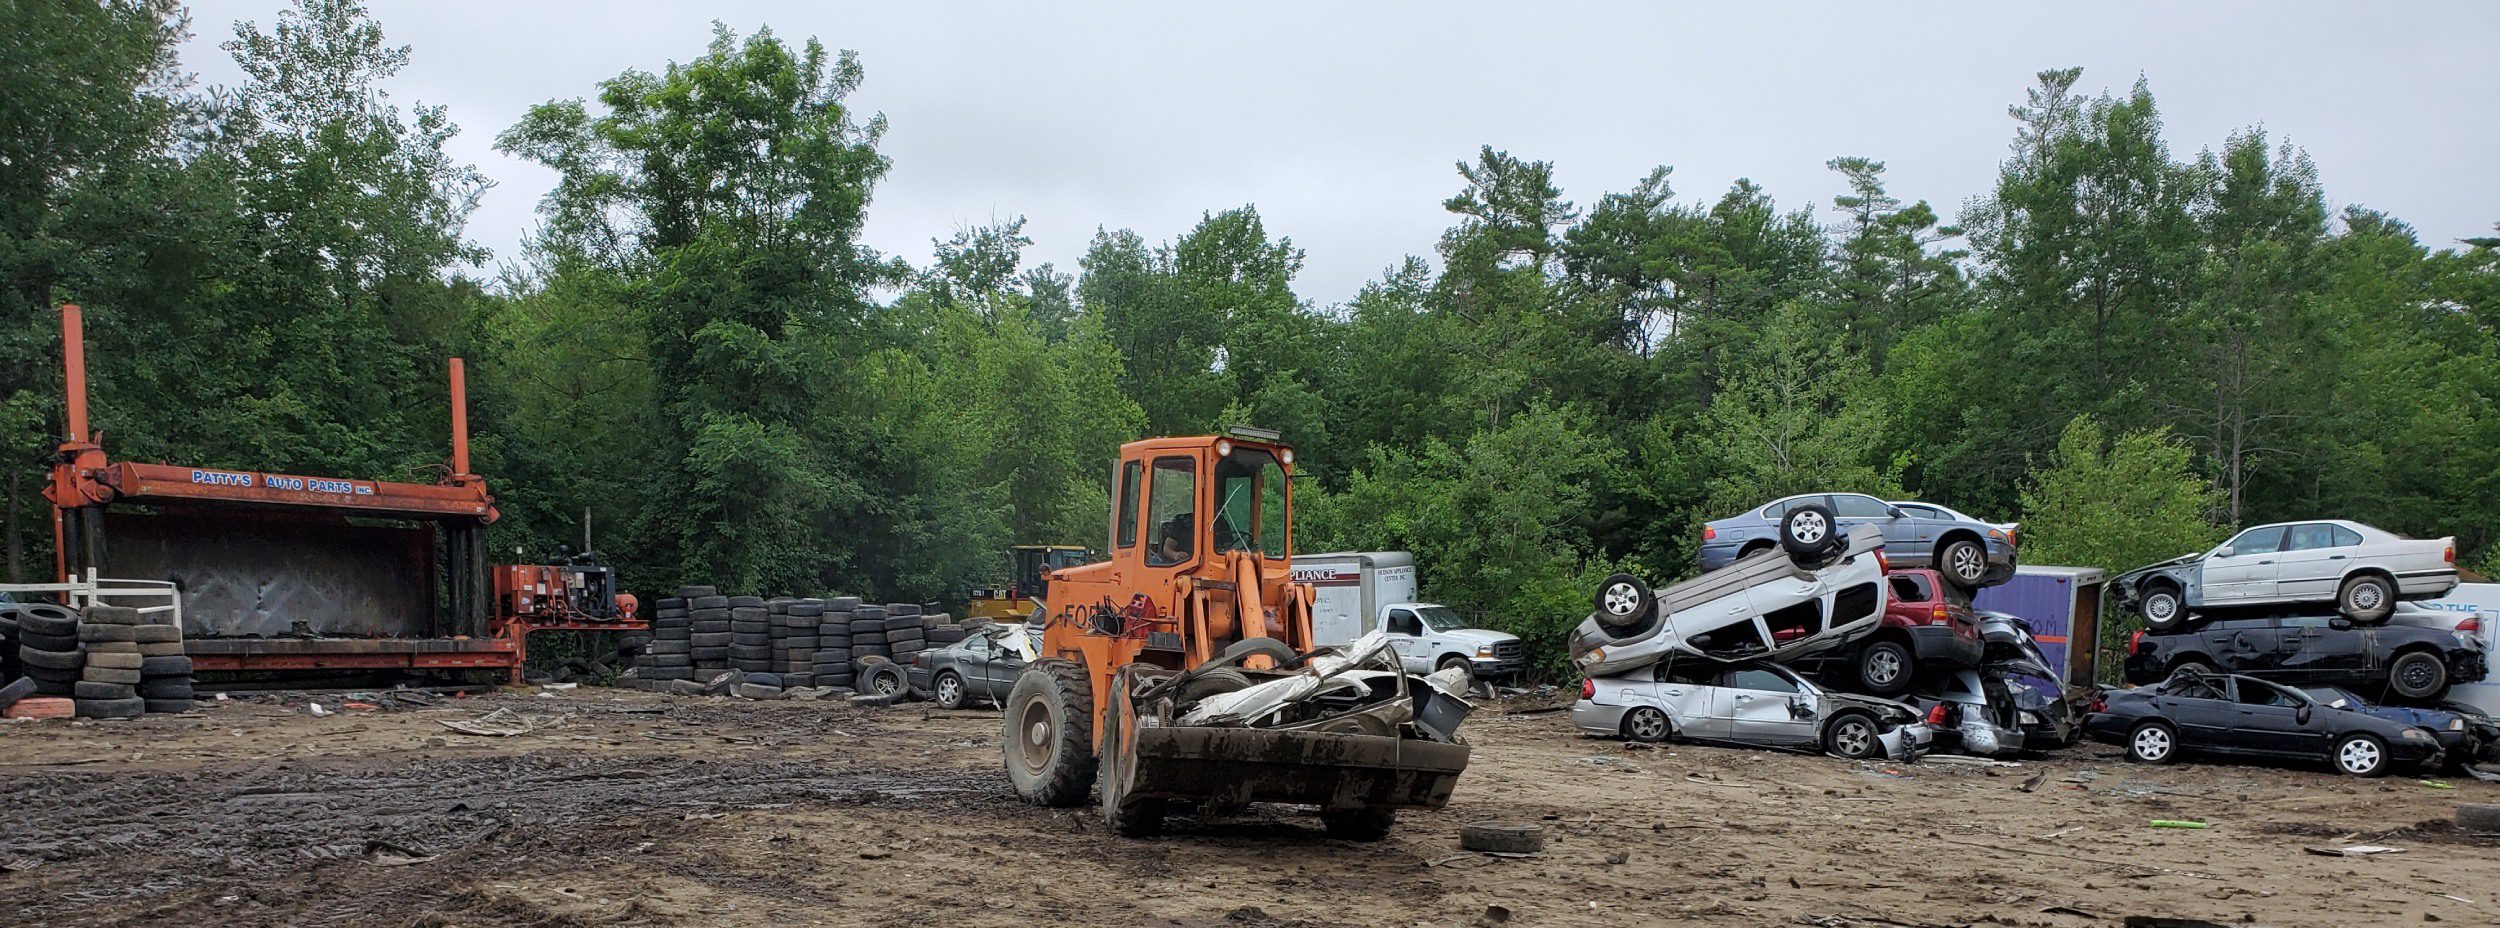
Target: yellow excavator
x,y
1028,582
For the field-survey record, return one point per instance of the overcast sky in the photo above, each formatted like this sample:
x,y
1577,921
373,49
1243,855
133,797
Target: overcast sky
x,y
1342,121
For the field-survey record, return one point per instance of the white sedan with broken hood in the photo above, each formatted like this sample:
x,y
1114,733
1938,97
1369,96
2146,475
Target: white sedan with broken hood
x,y
1774,605
1762,705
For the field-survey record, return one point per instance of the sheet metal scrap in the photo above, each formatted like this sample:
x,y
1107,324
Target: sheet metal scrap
x,y
1357,689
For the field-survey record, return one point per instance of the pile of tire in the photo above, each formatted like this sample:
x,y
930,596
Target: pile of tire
x,y
832,660
751,635
868,643
710,615
48,650
108,684
909,630
797,631
670,653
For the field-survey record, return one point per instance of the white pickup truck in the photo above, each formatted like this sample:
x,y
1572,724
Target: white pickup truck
x,y
1359,591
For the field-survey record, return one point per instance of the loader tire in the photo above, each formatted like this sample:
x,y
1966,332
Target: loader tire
x,y
1049,736
1365,824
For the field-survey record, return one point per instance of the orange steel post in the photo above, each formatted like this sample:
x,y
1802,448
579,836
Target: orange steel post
x,y
74,361
459,420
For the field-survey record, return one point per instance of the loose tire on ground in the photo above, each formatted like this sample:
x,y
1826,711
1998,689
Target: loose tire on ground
x,y
1501,837
1048,739
879,676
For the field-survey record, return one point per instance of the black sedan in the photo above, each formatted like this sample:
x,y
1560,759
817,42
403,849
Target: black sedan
x,y
2233,714
2398,663
2465,736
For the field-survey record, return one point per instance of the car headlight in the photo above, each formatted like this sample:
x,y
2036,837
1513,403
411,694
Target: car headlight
x,y
2456,724
2416,734
1484,650
2030,718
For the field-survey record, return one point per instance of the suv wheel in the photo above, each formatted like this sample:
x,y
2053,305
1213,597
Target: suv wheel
x,y
1647,725
1853,736
1809,532
1624,604
1884,667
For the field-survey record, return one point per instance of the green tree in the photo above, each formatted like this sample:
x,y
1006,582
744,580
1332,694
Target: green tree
x,y
1801,416
2117,503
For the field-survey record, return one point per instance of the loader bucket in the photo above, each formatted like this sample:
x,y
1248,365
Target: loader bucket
x,y
1227,768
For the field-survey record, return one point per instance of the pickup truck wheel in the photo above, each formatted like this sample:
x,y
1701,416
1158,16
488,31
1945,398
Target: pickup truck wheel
x,y
1965,561
1884,667
1049,737
2361,756
2417,675
1624,604
1647,725
1458,662
1853,736
2366,600
1809,532
2153,743
2163,608
950,690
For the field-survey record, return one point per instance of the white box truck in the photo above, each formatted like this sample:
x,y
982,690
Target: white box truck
x,y
1358,591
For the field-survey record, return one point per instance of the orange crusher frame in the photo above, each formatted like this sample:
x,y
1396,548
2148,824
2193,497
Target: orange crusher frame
x,y
492,610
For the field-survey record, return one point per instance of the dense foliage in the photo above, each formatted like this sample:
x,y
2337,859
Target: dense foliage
x,y
2128,349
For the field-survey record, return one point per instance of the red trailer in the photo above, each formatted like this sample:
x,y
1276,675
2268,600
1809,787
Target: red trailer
x,y
291,572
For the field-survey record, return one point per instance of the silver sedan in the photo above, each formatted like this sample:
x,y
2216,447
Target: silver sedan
x,y
1754,704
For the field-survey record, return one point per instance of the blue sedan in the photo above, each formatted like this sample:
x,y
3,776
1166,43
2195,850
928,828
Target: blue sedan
x,y
1970,552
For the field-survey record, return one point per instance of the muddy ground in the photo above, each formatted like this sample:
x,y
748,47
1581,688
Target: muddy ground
x,y
633,809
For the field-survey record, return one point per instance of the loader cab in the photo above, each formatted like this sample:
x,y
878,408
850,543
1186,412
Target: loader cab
x,y
1029,567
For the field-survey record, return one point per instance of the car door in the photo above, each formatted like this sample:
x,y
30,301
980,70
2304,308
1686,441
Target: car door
x,y
2312,561
2320,649
2269,719
1900,534
1683,689
1759,707
2248,574
2201,709
1920,525
2245,645
1406,631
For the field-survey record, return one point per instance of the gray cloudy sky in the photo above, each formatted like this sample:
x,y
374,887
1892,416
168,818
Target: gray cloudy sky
x,y
1342,121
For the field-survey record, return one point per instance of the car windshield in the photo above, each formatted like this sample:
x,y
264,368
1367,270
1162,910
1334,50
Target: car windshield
x,y
1441,618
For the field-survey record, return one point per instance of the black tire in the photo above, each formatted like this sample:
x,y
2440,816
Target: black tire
x,y
1854,735
1501,837
1885,668
111,675
112,708
151,690
2478,817
2367,599
948,689
52,660
87,690
2163,607
1964,561
2361,756
1365,824
2153,743
95,633
101,614
47,620
1211,682
880,677
17,689
1126,816
2193,665
42,642
1625,605
1048,734
1647,725
2417,675
155,634
1809,532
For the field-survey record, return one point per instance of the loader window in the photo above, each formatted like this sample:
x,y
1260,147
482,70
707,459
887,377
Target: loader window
x,y
1129,479
1250,492
1168,505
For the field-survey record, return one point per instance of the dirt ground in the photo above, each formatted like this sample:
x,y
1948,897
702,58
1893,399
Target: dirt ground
x,y
631,809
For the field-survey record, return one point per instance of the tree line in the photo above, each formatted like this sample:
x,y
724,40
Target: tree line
x,y
2129,349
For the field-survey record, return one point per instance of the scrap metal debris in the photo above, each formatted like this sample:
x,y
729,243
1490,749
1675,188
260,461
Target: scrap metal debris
x,y
2357,850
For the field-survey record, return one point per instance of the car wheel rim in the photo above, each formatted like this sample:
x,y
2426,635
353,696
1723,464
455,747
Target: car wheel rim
x,y
1647,726
2152,744
1967,563
2367,596
949,690
2417,676
885,684
2159,607
2359,756
1883,667
1853,739
1621,598
1808,527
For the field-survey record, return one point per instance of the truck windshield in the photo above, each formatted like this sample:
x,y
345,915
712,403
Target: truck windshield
x,y
1440,618
1250,503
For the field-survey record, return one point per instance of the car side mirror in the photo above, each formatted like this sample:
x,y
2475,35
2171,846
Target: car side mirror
x,y
2224,551
2339,623
2302,715
1894,511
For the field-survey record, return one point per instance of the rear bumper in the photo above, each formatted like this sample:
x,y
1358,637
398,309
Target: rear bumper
x,y
1598,719
2425,582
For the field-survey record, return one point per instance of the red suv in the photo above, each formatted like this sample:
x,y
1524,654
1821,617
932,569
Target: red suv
x,y
1928,625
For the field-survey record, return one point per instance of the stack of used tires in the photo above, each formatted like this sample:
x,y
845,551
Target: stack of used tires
x,y
670,654
751,639
710,612
868,636
108,684
834,642
48,650
942,630
905,638
799,643
164,670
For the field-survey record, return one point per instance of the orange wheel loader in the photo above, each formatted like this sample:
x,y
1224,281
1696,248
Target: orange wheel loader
x,y
1181,671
